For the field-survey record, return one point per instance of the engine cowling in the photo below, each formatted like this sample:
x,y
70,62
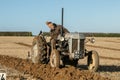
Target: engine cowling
x,y
76,42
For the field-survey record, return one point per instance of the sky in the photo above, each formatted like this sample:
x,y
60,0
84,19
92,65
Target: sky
x,y
79,15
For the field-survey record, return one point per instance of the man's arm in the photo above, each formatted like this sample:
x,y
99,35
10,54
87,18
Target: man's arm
x,y
64,29
53,34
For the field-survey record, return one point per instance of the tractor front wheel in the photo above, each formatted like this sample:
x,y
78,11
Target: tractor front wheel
x,y
93,61
55,58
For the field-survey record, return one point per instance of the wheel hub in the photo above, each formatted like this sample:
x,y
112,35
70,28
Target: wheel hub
x,y
35,50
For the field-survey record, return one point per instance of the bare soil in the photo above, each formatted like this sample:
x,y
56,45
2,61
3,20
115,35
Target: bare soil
x,y
45,72
13,58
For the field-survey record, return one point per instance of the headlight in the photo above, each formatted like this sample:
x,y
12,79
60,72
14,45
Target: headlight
x,y
62,39
92,40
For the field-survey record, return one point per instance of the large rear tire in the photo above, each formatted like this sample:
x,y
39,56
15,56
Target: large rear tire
x,y
93,61
39,50
55,58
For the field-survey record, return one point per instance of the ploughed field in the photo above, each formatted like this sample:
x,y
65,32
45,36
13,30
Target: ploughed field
x,y
14,50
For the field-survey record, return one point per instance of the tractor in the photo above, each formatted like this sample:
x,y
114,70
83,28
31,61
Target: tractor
x,y
69,49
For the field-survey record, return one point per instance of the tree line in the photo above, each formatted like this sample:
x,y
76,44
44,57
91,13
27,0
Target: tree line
x,y
15,33
48,34
102,34
93,34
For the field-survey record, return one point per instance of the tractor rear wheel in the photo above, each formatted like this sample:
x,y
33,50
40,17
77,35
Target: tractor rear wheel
x,y
93,61
55,58
39,50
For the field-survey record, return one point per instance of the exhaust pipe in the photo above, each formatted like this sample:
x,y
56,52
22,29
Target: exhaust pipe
x,y
62,20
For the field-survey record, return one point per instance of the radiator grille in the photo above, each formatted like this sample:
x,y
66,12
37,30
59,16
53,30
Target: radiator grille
x,y
74,45
82,45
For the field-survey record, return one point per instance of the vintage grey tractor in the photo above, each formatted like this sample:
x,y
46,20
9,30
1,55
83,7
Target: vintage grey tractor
x,y
69,49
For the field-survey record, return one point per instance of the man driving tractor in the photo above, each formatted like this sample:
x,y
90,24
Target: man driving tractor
x,y
55,30
63,49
